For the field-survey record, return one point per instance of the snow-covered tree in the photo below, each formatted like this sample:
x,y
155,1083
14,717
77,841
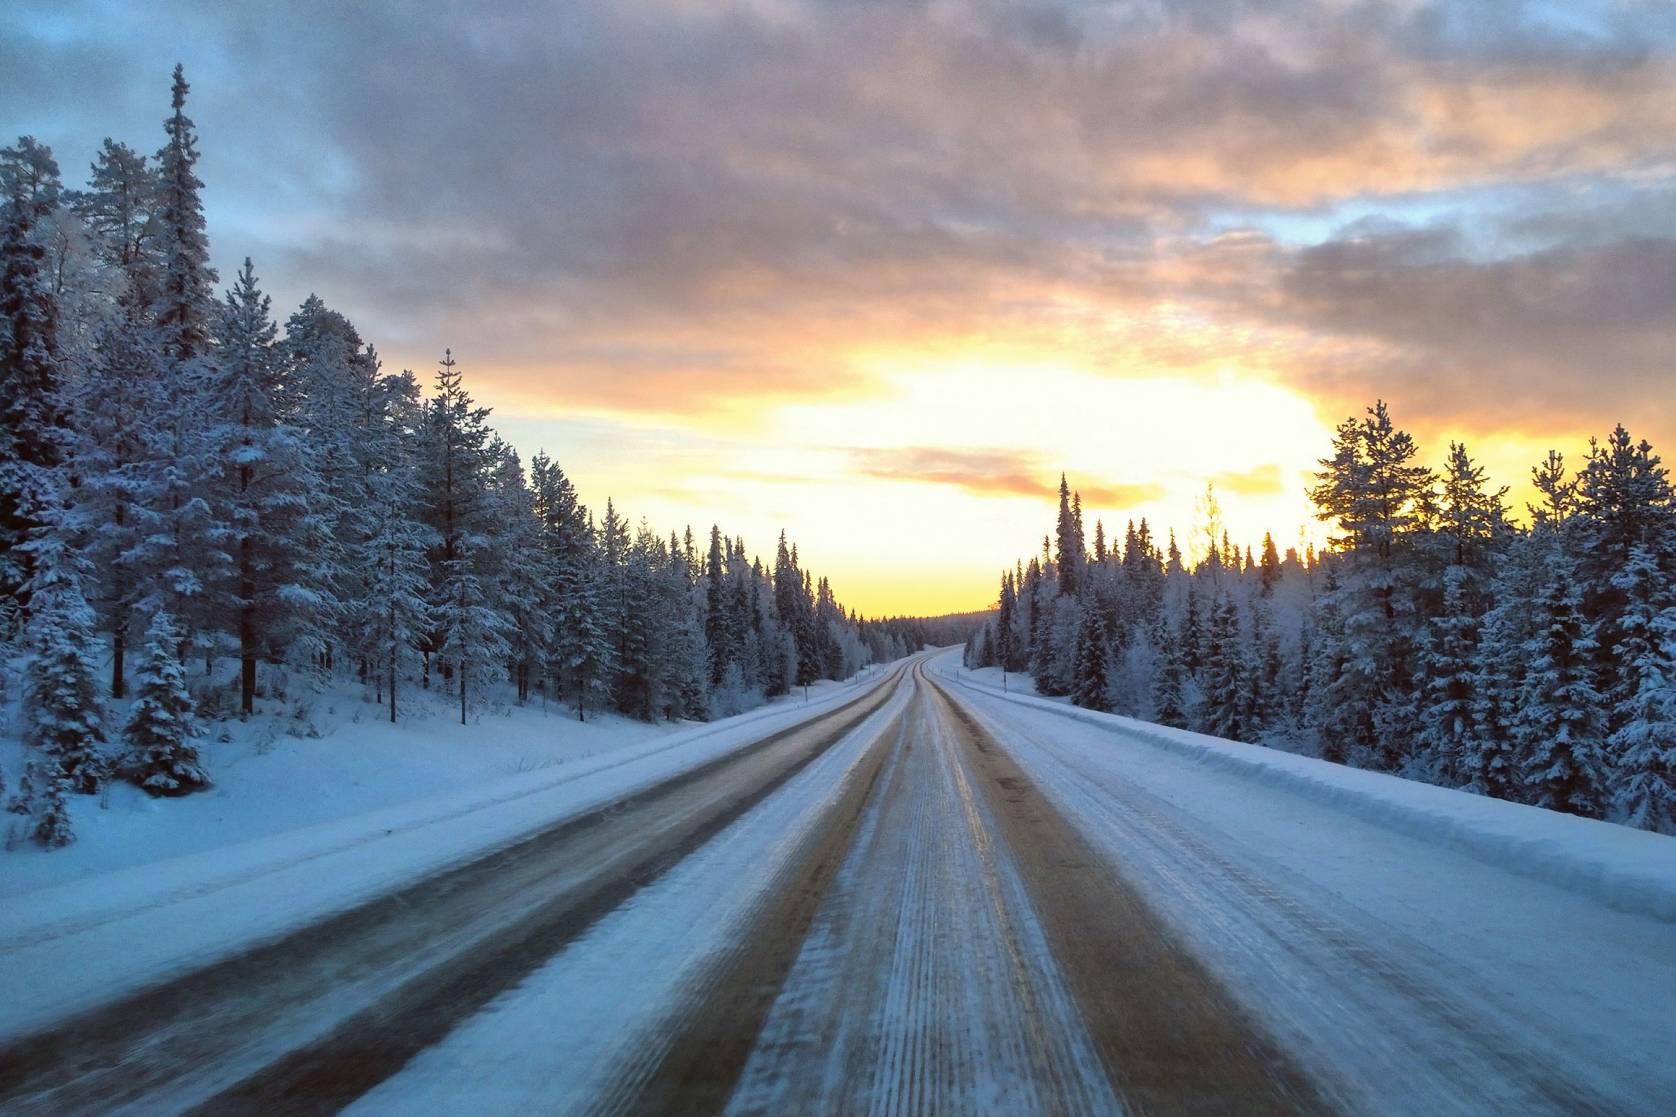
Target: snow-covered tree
x,y
186,299
1225,705
1169,685
267,498
161,758
1088,688
469,631
64,713
31,416
1643,745
1560,720
119,210
50,824
1448,680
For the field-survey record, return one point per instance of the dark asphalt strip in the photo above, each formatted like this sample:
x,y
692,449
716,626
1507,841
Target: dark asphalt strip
x,y
1173,1041
122,1052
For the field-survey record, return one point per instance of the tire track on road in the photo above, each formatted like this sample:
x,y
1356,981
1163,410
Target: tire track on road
x,y
1172,1039
701,1060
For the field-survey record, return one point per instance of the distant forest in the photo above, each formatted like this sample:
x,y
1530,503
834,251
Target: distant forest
x,y
1434,638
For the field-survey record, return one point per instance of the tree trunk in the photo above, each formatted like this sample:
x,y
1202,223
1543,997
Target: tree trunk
x,y
462,692
392,688
119,648
247,607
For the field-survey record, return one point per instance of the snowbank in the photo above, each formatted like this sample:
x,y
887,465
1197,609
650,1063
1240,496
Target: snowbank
x,y
1631,870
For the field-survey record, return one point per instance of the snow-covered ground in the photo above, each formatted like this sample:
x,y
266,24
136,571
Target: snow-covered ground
x,y
1424,950
271,855
276,774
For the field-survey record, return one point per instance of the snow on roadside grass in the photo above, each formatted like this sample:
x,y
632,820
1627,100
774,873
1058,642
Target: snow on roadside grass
x,y
268,782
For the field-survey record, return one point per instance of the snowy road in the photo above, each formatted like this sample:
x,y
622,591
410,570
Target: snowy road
x,y
929,900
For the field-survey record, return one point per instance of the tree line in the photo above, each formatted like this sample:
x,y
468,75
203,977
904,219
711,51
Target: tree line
x,y
1434,637
182,478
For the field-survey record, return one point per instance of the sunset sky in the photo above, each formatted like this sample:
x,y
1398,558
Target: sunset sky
x,y
875,272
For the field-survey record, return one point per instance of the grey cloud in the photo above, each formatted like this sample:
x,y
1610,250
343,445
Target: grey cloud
x,y
611,187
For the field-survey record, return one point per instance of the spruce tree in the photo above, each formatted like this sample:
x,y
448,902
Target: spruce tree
x,y
523,587
717,632
469,630
1560,718
49,814
1088,684
1449,673
117,453
267,498
1270,569
186,301
1068,556
65,717
23,799
1225,686
1643,744
1169,699
31,417
161,759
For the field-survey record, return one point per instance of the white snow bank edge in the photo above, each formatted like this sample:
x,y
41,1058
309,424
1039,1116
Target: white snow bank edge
x,y
1627,869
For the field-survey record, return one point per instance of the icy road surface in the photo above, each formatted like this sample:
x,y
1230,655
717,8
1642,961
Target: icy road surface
x,y
928,899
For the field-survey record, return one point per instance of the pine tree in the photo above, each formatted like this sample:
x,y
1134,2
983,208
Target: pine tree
x,y
1449,686
119,209
268,499
1643,745
717,632
1226,699
395,612
49,819
65,717
1169,700
1068,557
161,724
524,578
1270,575
186,303
117,453
31,418
469,631
1560,722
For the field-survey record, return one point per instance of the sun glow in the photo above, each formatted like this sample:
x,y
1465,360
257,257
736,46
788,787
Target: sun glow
x,y
915,491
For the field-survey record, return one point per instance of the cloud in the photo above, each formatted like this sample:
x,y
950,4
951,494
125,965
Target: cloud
x,y
656,206
994,473
1264,480
1574,330
986,472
